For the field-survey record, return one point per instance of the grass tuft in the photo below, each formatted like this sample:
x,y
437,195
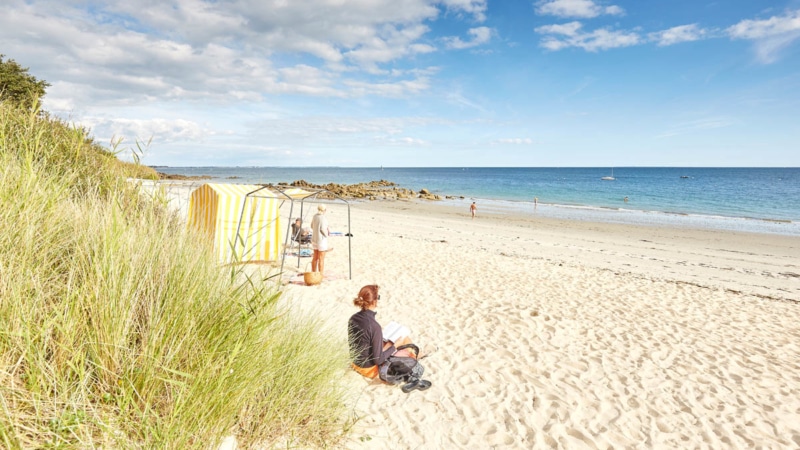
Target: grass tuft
x,y
121,331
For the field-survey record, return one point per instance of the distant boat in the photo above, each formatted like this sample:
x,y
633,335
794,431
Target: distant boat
x,y
684,176
611,178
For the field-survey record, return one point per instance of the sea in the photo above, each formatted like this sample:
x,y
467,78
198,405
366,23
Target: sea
x,y
759,200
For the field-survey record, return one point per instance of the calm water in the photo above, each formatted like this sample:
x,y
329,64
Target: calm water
x,y
745,199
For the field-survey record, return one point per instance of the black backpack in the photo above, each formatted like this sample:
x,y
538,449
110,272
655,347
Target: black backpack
x,y
404,369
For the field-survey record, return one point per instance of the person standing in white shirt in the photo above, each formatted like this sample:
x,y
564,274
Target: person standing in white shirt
x,y
319,239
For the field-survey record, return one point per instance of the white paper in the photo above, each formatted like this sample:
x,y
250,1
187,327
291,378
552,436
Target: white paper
x,y
394,331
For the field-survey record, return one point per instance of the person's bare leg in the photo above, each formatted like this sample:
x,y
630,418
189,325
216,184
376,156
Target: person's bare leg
x,y
403,341
321,262
407,352
315,261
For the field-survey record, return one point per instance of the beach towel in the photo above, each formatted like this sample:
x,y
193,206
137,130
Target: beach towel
x,y
303,253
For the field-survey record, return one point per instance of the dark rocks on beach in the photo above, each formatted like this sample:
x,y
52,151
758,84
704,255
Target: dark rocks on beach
x,y
170,176
373,190
429,196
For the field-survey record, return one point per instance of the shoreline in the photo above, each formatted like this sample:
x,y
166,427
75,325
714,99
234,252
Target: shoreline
x,y
622,215
648,245
761,195
586,213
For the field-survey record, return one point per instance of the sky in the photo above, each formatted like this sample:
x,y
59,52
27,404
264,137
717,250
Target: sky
x,y
421,83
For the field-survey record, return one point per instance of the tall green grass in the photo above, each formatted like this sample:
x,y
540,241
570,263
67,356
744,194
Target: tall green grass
x,y
119,330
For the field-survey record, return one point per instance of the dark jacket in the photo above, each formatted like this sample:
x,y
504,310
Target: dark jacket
x,y
366,340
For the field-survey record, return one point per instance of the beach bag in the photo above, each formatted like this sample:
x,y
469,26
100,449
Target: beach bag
x,y
312,278
401,369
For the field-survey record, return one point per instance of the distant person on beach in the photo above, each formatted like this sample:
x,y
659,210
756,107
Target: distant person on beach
x,y
299,232
535,202
473,208
367,346
319,239
625,199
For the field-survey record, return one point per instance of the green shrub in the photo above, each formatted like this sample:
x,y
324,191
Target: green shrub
x,y
17,86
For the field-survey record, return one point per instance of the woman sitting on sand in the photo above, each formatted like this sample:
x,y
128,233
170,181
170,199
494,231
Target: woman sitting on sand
x,y
367,346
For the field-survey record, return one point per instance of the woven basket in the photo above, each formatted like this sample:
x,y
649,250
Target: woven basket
x,y
312,278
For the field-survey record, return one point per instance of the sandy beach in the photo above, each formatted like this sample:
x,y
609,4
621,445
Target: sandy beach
x,y
565,334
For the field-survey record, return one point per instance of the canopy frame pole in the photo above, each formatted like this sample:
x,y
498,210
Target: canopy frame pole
x,y
349,245
241,216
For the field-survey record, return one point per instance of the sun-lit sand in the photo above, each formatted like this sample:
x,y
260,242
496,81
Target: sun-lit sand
x,y
563,334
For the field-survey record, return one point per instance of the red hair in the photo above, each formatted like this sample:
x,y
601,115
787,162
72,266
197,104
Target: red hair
x,y
367,296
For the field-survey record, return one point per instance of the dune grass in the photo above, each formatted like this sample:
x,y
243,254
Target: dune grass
x,y
119,330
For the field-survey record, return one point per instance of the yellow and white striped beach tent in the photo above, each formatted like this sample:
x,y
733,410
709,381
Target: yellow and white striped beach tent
x,y
216,209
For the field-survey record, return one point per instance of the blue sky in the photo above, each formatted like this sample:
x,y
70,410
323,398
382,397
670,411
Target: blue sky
x,y
422,82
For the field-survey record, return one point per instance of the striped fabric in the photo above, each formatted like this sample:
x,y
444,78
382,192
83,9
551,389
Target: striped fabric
x,y
296,193
216,208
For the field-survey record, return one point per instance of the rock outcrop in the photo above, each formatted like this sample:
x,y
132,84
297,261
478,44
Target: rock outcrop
x,y
171,176
373,190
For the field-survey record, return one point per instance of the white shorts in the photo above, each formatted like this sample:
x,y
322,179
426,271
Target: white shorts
x,y
322,245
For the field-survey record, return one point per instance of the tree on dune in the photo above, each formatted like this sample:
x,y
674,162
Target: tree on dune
x,y
17,85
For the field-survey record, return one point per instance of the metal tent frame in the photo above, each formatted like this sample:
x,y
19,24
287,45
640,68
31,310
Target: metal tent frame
x,y
302,195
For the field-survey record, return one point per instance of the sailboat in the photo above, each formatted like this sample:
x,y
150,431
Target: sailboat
x,y
611,178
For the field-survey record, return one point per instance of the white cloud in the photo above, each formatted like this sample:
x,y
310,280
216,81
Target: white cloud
x,y
142,50
576,8
393,89
567,29
770,35
571,35
457,98
161,130
406,141
389,44
475,7
340,128
759,29
479,36
514,141
675,35
768,50
304,79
